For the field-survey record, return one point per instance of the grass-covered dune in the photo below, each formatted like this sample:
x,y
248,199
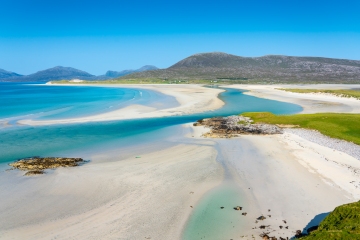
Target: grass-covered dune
x,y
342,223
336,125
341,92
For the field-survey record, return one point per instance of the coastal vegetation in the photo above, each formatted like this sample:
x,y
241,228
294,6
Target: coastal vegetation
x,y
342,223
343,126
348,93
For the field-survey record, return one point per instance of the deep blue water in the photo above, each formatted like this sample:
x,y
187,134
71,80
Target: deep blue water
x,y
24,141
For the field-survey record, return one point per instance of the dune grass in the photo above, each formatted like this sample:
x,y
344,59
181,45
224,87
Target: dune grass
x,y
342,223
341,92
336,125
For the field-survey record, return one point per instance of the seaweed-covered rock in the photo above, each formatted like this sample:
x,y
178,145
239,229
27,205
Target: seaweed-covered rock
x,y
37,165
233,125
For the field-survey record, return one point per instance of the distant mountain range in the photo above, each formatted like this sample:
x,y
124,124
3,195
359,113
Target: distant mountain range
x,y
220,66
115,74
7,74
65,73
271,68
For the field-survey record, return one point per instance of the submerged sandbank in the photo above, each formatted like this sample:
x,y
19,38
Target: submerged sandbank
x,y
130,198
151,196
192,99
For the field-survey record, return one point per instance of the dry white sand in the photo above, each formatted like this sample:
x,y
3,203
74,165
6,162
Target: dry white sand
x,y
133,198
192,99
311,103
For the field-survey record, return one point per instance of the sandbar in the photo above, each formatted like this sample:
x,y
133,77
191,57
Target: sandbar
x,y
192,99
311,103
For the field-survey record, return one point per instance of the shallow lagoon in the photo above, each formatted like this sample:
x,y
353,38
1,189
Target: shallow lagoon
x,y
128,137
24,141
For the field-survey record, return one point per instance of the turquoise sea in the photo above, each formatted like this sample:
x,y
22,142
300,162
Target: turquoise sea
x,y
19,101
33,101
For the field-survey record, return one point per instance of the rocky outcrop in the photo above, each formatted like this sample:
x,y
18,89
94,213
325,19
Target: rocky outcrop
x,y
37,165
226,127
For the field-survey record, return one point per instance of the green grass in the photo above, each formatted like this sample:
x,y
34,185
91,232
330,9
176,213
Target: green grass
x,y
341,93
336,125
342,223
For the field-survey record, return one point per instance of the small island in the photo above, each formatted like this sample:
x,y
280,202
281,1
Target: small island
x,y
37,165
227,127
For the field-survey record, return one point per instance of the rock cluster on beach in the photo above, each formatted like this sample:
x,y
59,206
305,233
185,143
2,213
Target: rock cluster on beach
x,y
37,165
226,127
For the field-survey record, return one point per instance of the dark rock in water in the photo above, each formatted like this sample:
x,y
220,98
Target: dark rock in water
x,y
313,228
222,207
298,234
37,165
231,126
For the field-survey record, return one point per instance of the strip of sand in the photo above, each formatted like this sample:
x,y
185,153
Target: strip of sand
x,y
192,99
134,198
150,197
311,103
288,178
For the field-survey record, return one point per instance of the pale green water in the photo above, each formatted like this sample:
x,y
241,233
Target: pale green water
x,y
209,221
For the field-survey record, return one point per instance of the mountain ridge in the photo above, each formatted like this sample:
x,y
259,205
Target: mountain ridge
x,y
64,73
7,74
268,68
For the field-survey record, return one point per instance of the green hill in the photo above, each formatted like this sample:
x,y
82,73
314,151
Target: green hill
x,y
341,224
272,68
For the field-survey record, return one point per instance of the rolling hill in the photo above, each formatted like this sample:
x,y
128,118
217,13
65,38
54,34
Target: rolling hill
x,y
65,73
270,68
6,74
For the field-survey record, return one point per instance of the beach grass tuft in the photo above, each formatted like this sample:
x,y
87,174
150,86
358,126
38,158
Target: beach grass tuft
x,y
342,223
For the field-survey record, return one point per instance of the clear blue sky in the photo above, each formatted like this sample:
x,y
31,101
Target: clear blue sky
x,y
96,36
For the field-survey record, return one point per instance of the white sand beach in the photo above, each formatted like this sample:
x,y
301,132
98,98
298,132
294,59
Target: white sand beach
x,y
132,198
192,99
298,180
311,103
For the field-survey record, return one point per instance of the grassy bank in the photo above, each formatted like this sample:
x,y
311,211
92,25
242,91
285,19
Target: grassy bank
x,y
342,223
337,125
341,93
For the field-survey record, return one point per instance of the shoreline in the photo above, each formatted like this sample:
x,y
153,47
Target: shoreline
x,y
150,196
311,103
130,198
191,98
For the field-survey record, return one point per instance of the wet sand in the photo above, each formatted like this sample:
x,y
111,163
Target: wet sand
x,y
150,197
